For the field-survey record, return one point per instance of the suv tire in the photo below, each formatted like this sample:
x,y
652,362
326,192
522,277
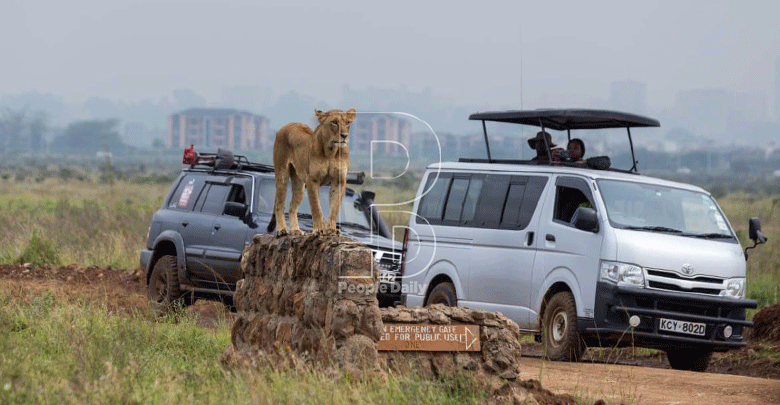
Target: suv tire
x,y
443,293
163,289
689,359
560,333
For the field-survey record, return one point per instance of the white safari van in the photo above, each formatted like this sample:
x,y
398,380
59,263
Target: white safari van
x,y
579,253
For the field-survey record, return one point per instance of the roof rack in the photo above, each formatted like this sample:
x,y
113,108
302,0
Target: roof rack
x,y
222,160
225,160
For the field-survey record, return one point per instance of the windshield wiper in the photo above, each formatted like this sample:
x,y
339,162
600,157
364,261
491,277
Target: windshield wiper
x,y
354,225
304,216
654,229
709,235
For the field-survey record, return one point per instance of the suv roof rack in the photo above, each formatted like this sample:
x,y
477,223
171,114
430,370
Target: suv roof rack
x,y
225,160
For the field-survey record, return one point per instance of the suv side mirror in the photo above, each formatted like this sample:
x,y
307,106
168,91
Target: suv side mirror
x,y
585,219
235,209
754,231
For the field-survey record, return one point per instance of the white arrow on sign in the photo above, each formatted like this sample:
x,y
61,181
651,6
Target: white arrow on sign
x,y
469,344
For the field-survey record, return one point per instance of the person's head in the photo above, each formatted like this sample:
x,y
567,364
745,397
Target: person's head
x,y
538,144
576,148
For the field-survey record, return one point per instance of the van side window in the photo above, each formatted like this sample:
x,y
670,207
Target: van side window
x,y
571,193
432,204
455,199
509,202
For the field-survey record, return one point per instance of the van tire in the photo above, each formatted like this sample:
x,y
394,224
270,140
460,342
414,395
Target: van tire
x,y
443,293
689,359
164,290
560,333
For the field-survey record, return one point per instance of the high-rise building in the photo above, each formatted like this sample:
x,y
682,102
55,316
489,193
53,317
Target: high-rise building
x,y
218,128
386,134
629,96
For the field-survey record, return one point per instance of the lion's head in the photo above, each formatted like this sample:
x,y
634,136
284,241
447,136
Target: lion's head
x,y
335,126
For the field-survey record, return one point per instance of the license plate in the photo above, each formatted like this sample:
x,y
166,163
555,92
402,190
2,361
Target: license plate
x,y
387,277
690,328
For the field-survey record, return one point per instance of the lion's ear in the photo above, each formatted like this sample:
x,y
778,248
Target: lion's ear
x,y
320,115
351,114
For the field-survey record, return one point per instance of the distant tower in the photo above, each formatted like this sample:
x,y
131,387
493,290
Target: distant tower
x,y
629,96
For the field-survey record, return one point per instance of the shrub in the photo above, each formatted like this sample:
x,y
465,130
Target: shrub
x,y
39,251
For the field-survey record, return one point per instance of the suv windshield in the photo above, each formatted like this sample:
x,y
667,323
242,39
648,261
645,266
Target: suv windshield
x,y
655,208
350,212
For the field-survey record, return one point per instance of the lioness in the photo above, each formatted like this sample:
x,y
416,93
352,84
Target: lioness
x,y
311,159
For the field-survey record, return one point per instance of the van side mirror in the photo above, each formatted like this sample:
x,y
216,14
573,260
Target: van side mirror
x,y
585,219
754,231
235,209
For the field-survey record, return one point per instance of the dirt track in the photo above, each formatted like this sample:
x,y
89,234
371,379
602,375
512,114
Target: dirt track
x,y
123,291
643,385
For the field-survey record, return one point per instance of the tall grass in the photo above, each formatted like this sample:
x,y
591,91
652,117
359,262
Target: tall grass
x,y
763,264
83,222
52,352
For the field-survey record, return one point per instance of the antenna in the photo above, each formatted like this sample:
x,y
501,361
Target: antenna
x,y
521,68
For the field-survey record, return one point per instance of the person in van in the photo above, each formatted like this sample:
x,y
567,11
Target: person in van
x,y
576,148
537,143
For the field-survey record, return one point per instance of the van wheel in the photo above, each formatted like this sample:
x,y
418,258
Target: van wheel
x,y
688,359
443,293
560,334
163,289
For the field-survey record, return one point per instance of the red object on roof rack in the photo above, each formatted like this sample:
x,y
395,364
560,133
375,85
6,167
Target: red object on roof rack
x,y
193,159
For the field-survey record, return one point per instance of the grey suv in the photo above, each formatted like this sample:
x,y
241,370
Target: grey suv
x,y
215,207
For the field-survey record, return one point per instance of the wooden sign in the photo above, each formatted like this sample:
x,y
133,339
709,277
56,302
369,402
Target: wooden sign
x,y
424,337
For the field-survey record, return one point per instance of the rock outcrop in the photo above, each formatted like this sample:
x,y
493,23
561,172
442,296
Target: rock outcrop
x,y
313,295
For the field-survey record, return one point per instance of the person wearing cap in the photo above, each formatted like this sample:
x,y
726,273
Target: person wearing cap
x,y
538,143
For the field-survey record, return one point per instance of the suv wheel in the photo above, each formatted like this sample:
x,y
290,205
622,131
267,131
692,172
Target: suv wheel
x,y
689,359
163,289
443,293
560,334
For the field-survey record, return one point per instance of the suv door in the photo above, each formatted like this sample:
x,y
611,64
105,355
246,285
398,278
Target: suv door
x,y
567,254
229,235
504,245
198,227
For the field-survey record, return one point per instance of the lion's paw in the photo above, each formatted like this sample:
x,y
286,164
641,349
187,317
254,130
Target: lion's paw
x,y
281,232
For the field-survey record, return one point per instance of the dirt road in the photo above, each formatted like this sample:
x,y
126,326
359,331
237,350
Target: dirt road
x,y
124,292
642,385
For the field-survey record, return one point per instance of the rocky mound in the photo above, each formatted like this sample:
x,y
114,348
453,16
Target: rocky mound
x,y
766,325
313,295
310,301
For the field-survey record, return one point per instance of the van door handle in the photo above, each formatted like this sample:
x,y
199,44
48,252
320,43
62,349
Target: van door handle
x,y
217,226
184,224
529,240
550,238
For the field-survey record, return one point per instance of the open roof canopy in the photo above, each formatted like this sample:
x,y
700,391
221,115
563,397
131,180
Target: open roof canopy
x,y
568,119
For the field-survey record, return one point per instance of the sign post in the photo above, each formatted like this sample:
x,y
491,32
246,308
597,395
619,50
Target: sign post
x,y
425,337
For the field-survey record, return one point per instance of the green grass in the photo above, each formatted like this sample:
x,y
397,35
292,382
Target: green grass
x,y
54,353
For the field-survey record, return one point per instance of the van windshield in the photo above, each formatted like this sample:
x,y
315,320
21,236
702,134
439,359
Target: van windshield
x,y
654,208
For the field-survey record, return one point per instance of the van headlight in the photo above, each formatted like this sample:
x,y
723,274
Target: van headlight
x,y
622,274
734,288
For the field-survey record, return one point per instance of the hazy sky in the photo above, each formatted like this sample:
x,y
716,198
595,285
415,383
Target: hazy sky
x,y
467,52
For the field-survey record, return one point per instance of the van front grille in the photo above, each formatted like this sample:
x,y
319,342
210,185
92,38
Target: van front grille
x,y
671,281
